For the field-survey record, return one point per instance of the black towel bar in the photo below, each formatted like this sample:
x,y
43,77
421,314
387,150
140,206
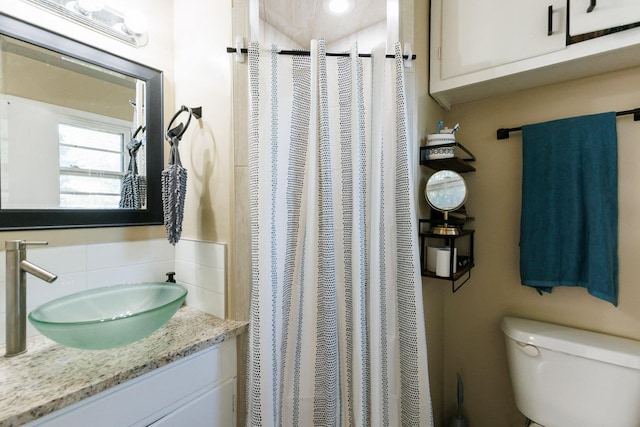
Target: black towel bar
x,y
503,133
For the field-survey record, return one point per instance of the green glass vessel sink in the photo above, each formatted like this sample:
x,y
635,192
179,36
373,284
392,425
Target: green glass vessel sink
x,y
108,317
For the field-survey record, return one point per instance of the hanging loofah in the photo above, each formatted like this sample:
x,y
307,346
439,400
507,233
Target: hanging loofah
x,y
174,190
133,192
130,195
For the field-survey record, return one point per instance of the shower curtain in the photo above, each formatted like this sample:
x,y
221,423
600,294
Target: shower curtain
x,y
336,333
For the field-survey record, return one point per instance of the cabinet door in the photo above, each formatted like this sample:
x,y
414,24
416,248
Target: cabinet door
x,y
606,14
477,35
214,408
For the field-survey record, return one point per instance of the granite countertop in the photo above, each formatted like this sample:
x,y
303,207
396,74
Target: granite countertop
x,y
49,376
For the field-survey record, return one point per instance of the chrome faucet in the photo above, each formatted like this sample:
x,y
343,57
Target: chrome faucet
x,y
16,283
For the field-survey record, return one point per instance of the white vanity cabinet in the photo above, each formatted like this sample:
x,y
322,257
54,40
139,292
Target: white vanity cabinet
x,y
212,408
198,390
487,48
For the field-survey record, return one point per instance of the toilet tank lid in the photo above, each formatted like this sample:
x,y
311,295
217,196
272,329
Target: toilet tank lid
x,y
578,342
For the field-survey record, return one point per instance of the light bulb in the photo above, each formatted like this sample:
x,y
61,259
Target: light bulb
x,y
135,23
89,6
338,7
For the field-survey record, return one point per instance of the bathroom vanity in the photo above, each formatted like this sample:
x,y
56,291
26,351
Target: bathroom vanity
x,y
183,374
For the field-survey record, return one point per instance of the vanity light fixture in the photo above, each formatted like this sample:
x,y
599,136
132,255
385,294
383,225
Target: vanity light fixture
x,y
85,7
135,23
129,28
338,7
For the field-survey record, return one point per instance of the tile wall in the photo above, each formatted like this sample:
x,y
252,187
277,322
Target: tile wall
x,y
200,267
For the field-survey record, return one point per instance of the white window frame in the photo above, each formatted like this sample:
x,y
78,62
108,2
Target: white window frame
x,y
107,125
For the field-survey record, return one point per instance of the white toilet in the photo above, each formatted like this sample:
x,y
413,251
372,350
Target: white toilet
x,y
566,377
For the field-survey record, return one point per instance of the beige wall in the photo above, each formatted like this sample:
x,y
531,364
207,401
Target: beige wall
x,y
473,342
34,79
158,53
203,78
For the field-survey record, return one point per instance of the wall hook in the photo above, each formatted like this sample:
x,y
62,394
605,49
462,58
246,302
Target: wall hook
x,y
408,54
240,55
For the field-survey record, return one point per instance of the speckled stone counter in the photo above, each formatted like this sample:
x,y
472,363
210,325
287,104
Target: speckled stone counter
x,y
49,376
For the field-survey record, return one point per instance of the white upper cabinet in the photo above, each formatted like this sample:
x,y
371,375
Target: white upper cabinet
x,y
588,16
485,48
483,34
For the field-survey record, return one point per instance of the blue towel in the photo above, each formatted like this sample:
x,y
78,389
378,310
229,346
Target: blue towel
x,y
569,219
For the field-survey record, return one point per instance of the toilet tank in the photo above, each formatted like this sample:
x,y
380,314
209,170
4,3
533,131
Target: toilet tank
x,y
566,377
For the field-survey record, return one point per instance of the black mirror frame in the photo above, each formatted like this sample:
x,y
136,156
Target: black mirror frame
x,y
28,219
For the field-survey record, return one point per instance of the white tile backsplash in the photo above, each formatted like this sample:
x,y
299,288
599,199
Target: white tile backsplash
x,y
144,272
204,300
209,278
59,260
199,266
109,255
204,253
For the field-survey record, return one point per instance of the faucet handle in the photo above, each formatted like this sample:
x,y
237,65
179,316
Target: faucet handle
x,y
18,245
35,242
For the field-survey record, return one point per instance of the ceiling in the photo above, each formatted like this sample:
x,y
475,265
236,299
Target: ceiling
x,y
304,20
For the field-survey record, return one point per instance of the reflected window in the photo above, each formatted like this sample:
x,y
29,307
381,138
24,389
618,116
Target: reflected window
x,y
92,160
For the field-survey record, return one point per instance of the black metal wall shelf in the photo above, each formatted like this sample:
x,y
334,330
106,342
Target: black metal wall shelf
x,y
455,163
457,218
464,262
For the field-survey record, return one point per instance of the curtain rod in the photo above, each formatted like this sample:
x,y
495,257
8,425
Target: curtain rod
x,y
503,133
307,53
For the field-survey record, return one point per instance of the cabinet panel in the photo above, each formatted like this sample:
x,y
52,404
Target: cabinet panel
x,y
212,409
606,14
484,34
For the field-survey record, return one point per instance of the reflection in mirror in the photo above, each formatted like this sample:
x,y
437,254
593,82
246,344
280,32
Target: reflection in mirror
x,y
445,191
71,133
70,122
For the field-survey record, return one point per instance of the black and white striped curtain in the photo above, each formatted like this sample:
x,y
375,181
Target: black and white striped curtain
x,y
336,335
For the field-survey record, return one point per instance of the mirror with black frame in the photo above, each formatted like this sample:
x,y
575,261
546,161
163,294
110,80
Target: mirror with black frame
x,y
80,134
